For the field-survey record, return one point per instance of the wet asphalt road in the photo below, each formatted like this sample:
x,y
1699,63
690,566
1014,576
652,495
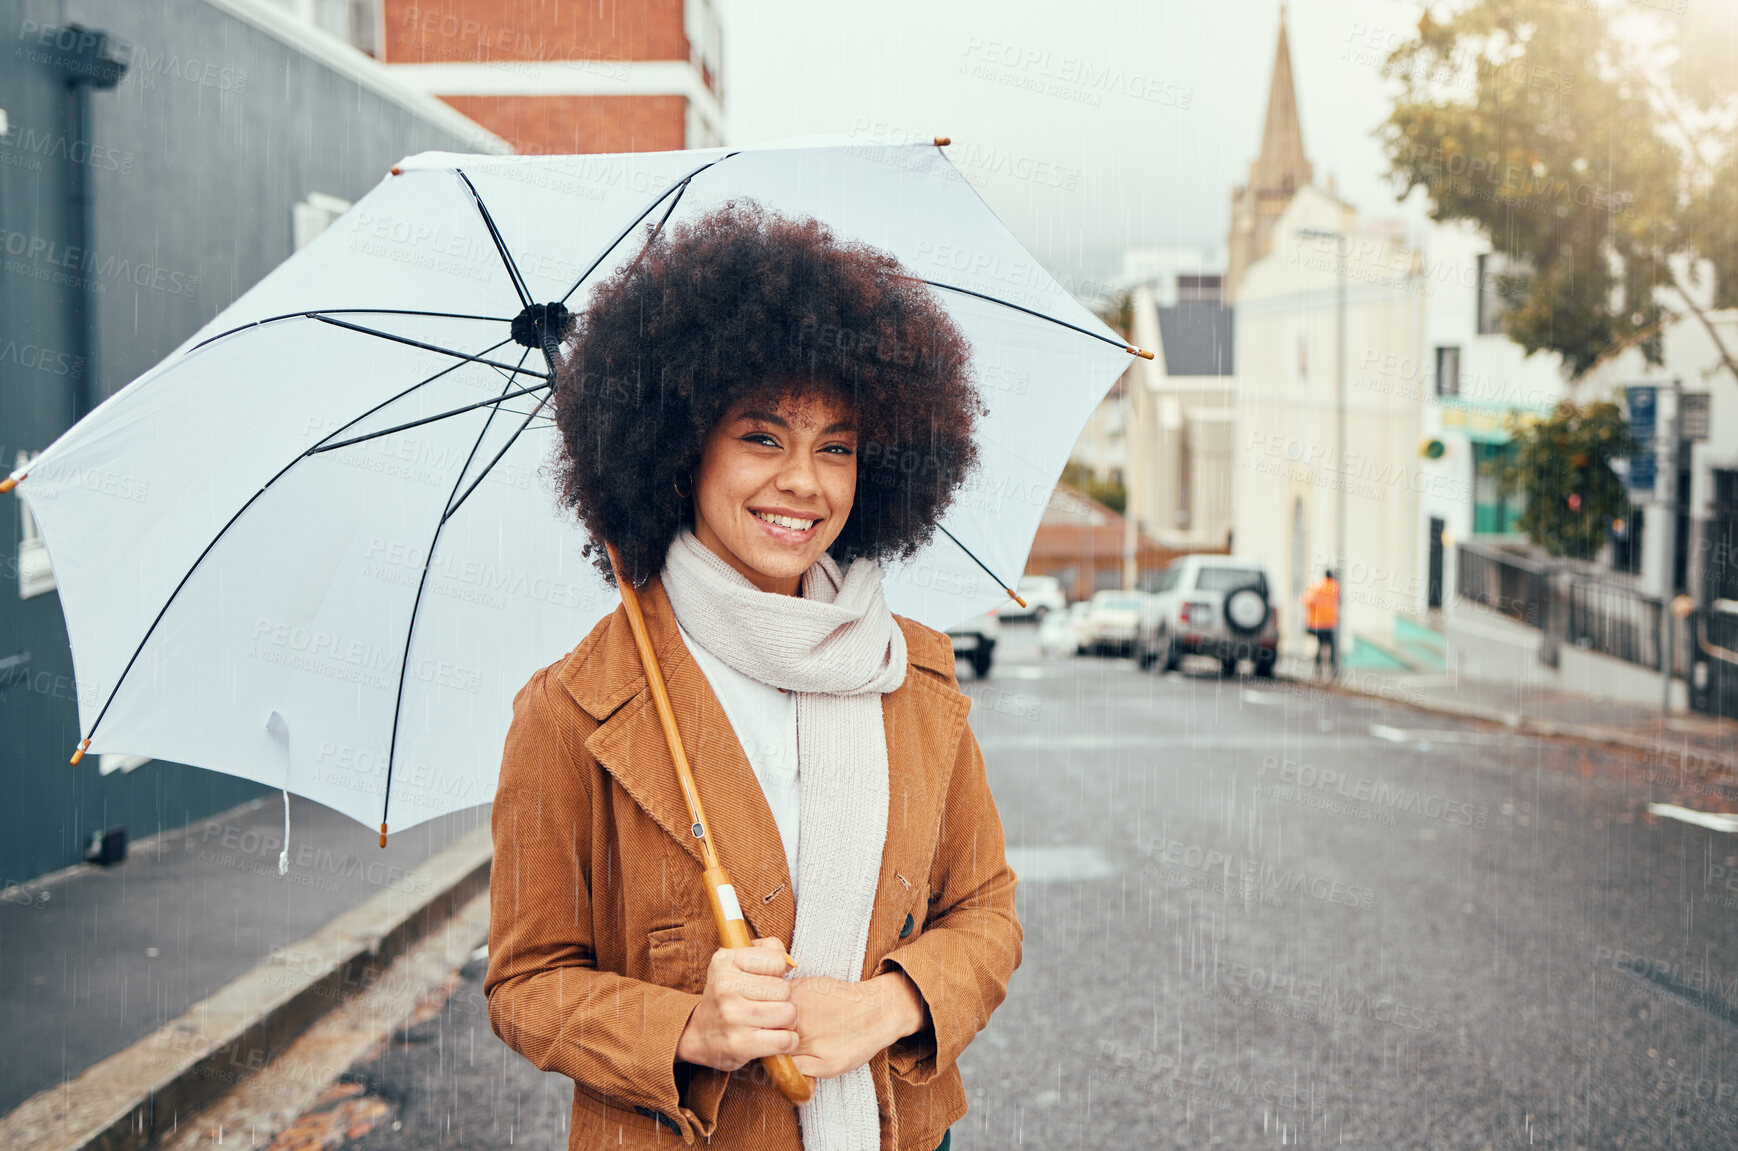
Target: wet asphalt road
x,y
1259,914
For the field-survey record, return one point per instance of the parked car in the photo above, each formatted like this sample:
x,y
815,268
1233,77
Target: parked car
x,y
1043,595
1210,605
1110,623
975,640
1058,633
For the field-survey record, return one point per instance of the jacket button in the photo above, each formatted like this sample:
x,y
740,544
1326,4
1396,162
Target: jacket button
x,y
906,930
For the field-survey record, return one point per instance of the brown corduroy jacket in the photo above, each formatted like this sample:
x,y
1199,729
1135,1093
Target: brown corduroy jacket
x,y
600,932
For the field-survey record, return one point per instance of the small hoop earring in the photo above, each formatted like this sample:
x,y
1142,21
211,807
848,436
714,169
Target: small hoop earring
x,y
679,491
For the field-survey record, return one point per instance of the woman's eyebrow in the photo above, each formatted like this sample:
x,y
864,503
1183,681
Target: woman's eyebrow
x,y
769,418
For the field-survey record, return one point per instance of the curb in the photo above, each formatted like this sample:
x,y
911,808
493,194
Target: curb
x,y
133,1098
1546,728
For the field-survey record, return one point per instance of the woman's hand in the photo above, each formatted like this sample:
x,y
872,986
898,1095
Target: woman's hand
x,y
745,1011
844,1025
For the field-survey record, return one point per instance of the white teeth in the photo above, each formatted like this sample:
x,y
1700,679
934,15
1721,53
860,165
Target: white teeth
x,y
795,525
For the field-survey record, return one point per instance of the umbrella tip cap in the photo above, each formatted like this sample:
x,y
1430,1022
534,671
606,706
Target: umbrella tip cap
x,y
395,170
1141,352
383,835
942,141
9,483
78,752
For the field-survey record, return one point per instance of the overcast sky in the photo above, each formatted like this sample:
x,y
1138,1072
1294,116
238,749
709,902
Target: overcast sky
x,y
1089,128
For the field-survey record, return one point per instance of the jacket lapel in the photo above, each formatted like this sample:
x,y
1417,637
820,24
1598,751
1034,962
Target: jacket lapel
x,y
923,720
630,745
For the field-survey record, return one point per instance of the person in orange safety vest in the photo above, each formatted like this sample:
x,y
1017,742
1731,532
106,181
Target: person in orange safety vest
x,y
1321,604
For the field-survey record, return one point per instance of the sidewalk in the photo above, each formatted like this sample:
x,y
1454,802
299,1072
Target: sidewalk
x,y
1690,740
93,960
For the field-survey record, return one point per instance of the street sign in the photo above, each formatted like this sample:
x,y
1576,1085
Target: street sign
x,y
1642,413
1693,415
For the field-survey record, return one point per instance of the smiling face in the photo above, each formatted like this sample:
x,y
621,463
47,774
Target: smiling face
x,y
775,486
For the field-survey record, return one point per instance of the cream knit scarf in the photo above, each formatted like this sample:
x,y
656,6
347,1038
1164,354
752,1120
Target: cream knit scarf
x,y
838,647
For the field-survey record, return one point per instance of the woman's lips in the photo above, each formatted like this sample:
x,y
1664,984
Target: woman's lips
x,y
785,535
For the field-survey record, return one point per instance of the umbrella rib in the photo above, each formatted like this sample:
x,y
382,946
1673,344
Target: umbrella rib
x,y
224,530
500,244
1019,308
416,604
496,364
604,255
346,312
978,561
482,475
494,402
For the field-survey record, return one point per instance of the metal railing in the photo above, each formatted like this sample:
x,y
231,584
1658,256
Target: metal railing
x,y
1619,621
1573,603
1508,584
1570,603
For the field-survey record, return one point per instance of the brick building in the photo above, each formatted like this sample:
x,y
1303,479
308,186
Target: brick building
x,y
552,77
555,77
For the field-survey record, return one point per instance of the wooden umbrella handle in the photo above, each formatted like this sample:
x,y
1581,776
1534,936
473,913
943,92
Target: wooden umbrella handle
x,y
720,892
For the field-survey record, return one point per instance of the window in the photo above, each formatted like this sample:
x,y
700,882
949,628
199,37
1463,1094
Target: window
x,y
1224,579
1199,289
313,216
35,576
1493,269
706,54
1448,371
1163,581
1303,359
1492,513
357,22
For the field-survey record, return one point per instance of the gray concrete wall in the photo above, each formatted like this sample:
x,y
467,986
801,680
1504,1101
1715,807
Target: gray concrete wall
x,y
1484,647
217,130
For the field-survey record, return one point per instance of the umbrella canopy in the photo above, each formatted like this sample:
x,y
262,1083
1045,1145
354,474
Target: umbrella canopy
x,y
317,547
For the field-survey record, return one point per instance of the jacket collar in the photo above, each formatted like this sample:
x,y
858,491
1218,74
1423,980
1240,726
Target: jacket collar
x,y
924,719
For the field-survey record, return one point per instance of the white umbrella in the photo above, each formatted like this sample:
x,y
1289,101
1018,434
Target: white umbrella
x,y
315,547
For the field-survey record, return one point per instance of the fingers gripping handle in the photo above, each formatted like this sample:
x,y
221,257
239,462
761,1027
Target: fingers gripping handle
x,y
733,932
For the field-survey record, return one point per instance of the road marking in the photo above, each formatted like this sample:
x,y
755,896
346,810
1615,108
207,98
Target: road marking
x,y
1020,671
1090,741
1266,698
1059,864
1713,821
1411,735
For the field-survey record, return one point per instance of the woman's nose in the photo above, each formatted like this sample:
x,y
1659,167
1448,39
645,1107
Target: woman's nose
x,y
799,475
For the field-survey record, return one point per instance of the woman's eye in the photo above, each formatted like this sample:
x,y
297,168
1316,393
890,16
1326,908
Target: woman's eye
x,y
759,436
841,447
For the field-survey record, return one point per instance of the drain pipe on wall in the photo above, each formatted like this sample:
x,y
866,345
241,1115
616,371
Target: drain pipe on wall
x,y
82,55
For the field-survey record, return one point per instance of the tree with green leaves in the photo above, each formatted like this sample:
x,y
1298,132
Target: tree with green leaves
x,y
1596,146
1118,313
1108,492
1562,466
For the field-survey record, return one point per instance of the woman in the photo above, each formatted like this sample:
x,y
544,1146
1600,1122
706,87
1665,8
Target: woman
x,y
755,414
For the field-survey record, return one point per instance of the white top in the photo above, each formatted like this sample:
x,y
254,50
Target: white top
x,y
764,719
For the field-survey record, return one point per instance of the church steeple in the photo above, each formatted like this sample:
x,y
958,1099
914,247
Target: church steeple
x,y
1278,171
1281,168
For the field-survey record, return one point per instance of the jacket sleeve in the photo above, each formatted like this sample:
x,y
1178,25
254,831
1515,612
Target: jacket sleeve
x,y
547,1000
968,951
